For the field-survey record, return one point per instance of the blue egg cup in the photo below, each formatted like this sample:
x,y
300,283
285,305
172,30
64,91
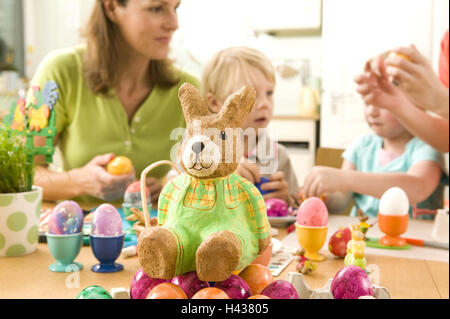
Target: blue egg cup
x,y
65,248
106,249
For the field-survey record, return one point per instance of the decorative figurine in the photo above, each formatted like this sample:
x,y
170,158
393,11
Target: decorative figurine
x,y
355,248
210,220
304,265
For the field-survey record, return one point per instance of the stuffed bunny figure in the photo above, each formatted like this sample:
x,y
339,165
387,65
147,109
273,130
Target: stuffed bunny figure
x,y
210,220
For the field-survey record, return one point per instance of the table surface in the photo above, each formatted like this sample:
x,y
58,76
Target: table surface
x,y
28,276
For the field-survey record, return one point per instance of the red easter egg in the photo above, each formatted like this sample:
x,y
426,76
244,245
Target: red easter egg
x,y
338,242
257,276
210,293
167,290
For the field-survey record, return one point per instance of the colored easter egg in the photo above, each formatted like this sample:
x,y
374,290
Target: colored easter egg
x,y
257,277
211,293
276,207
106,221
119,165
132,196
351,282
94,292
338,242
66,219
141,284
312,212
190,283
280,289
259,297
235,287
167,290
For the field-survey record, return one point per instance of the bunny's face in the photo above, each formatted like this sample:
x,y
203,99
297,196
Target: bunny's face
x,y
212,145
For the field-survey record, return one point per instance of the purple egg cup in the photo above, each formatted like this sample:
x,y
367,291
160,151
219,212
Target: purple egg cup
x,y
107,249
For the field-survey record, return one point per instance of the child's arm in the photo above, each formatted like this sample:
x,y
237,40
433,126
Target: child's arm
x,y
419,182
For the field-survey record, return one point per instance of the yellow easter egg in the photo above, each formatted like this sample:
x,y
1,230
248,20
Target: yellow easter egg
x,y
119,165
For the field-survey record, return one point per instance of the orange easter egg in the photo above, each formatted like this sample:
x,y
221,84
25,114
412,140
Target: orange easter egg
x,y
393,54
119,165
259,297
167,290
210,293
257,276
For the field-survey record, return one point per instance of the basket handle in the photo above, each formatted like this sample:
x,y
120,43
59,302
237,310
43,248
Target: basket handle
x,y
143,194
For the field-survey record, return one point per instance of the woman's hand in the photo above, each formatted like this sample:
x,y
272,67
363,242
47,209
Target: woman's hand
x,y
154,187
93,179
249,171
416,78
377,90
278,184
322,181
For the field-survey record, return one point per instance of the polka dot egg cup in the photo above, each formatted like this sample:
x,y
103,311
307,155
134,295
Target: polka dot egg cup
x,y
19,222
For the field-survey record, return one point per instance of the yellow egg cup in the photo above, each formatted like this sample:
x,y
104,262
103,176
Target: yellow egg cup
x,y
311,239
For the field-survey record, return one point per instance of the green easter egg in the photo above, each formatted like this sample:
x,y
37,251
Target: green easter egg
x,y
94,292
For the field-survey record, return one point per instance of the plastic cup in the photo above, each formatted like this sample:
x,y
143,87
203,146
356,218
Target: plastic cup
x,y
311,239
107,249
65,248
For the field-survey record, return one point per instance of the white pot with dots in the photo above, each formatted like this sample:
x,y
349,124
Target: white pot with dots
x,y
19,222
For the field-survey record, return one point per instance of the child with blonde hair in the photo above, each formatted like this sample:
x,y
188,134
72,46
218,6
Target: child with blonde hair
x,y
227,71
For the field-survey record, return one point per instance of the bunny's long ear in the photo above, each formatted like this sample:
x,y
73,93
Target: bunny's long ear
x,y
192,102
238,106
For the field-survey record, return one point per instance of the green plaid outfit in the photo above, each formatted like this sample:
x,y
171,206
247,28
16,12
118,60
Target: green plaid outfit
x,y
192,209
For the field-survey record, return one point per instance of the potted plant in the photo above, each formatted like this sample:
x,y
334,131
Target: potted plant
x,y
20,201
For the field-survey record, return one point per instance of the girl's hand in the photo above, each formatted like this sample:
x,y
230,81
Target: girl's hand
x,y
321,181
249,171
415,77
278,183
93,179
155,187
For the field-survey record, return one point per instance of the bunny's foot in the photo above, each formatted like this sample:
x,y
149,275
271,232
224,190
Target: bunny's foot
x,y
157,251
218,256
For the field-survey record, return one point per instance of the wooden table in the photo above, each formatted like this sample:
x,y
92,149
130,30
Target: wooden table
x,y
28,276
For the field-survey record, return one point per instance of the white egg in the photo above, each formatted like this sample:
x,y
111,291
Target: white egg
x,y
394,202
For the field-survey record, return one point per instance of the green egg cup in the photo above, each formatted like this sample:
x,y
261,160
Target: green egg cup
x,y
65,248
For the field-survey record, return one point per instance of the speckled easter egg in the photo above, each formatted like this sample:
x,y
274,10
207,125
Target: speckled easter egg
x,y
66,219
312,212
106,221
94,292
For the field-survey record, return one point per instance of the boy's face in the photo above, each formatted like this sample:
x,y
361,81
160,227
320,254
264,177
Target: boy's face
x,y
262,112
382,122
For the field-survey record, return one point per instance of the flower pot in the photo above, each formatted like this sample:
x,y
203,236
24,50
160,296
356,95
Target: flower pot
x,y
19,222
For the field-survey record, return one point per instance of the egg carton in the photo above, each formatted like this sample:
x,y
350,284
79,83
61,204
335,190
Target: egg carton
x,y
304,292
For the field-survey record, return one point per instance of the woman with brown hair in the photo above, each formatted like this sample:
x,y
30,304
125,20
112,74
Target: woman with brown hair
x,y
118,95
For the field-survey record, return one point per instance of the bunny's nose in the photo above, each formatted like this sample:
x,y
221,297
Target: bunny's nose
x,y
198,147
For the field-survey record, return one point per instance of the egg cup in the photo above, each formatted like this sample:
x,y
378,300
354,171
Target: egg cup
x,y
65,248
311,239
393,226
106,249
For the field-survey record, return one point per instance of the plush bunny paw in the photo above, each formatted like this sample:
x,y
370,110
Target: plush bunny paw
x,y
157,251
218,256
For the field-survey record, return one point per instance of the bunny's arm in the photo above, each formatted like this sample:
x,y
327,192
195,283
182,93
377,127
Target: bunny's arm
x,y
257,211
169,195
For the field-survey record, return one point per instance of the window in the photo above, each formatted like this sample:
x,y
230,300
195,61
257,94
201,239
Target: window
x,y
11,36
